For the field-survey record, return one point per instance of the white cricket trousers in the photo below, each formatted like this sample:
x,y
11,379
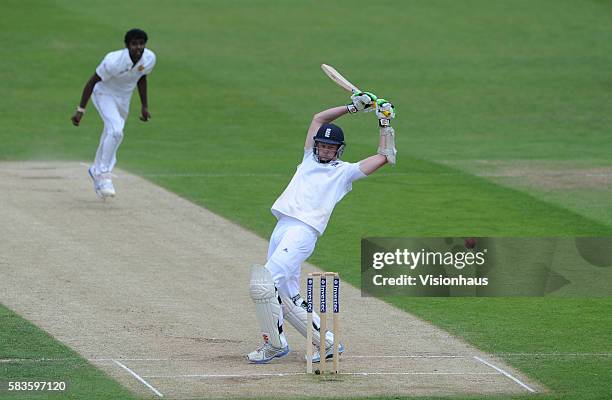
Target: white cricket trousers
x,y
291,243
113,111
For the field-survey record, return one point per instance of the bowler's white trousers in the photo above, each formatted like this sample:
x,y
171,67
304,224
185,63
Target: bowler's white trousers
x,y
114,111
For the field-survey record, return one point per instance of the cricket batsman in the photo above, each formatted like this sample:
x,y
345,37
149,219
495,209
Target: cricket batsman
x,y
303,211
110,88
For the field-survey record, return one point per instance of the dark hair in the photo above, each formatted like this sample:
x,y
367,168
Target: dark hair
x,y
135,34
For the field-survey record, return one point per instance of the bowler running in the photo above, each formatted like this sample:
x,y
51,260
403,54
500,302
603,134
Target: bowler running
x,y
110,88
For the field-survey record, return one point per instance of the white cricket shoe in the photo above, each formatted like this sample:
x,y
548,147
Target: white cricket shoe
x,y
106,187
95,179
266,353
329,353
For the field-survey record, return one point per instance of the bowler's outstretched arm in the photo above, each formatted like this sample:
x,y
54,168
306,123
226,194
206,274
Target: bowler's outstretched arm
x,y
87,91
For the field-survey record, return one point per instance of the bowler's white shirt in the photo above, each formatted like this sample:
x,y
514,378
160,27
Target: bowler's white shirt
x,y
120,75
315,189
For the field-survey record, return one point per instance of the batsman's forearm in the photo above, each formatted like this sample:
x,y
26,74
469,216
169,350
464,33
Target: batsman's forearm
x,y
371,164
386,146
142,91
330,114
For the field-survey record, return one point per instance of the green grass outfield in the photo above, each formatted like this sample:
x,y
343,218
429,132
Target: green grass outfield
x,y
235,86
27,345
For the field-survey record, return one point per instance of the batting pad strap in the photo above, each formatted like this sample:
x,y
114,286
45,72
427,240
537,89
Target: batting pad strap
x,y
387,147
267,305
262,284
294,311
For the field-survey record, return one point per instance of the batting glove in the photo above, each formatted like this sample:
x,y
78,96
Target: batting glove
x,y
385,112
362,101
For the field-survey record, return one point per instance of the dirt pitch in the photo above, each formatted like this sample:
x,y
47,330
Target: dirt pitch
x,y
154,290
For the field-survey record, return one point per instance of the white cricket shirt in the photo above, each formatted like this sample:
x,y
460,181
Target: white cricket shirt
x,y
119,75
315,189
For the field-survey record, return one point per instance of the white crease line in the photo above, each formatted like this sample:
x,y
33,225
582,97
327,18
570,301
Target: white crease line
x,y
135,375
19,360
213,175
280,374
134,359
555,354
418,373
283,374
505,373
409,356
343,356
24,360
271,174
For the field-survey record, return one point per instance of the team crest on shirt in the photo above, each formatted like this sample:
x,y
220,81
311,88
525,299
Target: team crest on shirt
x,y
141,68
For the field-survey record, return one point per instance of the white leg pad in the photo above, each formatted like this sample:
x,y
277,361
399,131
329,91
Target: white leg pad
x,y
267,306
294,310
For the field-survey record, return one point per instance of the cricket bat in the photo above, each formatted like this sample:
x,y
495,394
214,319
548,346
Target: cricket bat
x,y
341,81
